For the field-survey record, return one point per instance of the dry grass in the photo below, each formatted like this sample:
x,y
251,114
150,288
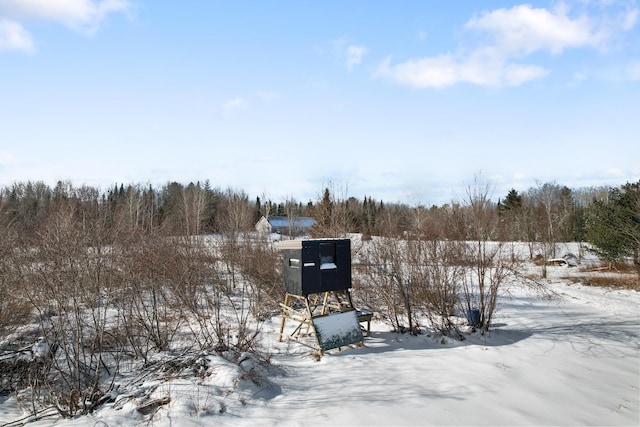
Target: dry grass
x,y
617,281
622,275
624,267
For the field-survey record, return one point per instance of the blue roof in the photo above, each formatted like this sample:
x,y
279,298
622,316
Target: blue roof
x,y
283,221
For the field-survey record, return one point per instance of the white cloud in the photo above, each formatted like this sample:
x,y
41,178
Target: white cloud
x,y
515,74
83,15
504,37
522,30
440,71
14,37
447,70
354,55
80,15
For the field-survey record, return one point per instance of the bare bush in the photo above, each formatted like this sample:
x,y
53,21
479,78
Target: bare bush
x,y
146,304
14,307
387,273
237,327
261,267
201,294
439,274
68,274
406,278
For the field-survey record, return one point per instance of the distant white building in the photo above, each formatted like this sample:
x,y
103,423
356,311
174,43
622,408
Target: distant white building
x,y
285,225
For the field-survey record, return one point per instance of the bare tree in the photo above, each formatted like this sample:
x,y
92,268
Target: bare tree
x,y
193,208
491,264
236,213
293,213
550,209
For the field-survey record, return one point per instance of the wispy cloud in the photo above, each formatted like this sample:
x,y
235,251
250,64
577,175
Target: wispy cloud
x,y
481,68
85,16
630,18
352,54
505,37
13,36
234,105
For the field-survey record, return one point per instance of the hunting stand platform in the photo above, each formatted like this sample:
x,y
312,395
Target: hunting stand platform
x,y
317,282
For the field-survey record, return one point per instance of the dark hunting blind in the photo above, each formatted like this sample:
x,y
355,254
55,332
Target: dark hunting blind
x,y
316,266
317,283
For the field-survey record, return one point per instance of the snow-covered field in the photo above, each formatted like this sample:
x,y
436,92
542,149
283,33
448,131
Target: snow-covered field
x,y
569,359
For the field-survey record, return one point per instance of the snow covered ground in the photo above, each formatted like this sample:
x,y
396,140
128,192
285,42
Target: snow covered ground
x,y
569,359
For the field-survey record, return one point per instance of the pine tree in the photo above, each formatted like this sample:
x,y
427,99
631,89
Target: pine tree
x,y
513,201
613,226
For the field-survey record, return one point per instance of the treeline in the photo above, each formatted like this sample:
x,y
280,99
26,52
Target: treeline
x,y
606,217
174,209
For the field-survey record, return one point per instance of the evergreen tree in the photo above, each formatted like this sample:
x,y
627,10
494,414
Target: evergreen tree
x,y
603,231
512,201
510,212
613,226
628,201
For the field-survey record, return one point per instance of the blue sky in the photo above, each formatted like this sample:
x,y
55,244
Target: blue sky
x,y
400,101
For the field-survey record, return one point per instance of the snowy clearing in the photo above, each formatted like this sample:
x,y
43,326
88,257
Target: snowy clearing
x,y
569,359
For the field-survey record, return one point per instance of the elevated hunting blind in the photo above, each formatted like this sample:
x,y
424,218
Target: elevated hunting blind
x,y
315,266
317,283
